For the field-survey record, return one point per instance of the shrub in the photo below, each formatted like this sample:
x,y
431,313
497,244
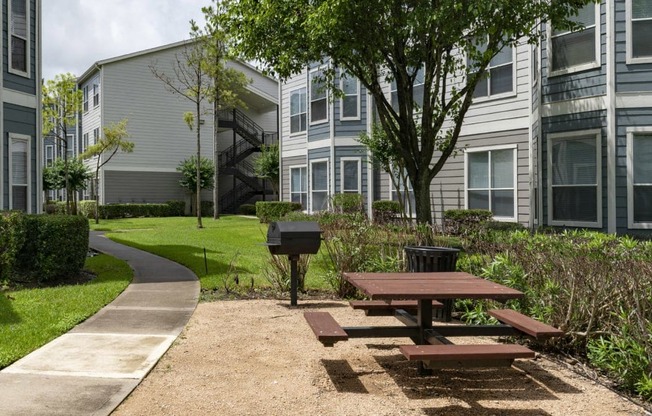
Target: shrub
x,y
87,209
55,207
55,246
207,208
12,238
465,221
385,211
278,272
347,203
268,211
176,208
247,209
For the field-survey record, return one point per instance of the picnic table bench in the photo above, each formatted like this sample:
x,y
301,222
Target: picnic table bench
x,y
412,298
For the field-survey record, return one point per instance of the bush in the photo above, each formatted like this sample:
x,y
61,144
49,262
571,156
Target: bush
x,y
247,209
465,221
385,211
12,238
55,207
207,209
347,203
87,209
177,208
268,211
55,247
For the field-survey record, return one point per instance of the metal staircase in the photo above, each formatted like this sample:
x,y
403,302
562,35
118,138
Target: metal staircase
x,y
248,139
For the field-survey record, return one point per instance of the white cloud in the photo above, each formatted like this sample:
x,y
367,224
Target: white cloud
x,y
78,33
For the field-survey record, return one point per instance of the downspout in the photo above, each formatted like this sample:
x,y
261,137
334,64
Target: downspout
x,y
39,121
370,167
331,127
280,141
611,121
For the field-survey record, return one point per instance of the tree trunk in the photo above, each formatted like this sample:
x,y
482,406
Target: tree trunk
x,y
97,199
198,115
216,175
422,200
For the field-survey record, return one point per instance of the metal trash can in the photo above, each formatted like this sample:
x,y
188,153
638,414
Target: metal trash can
x,y
422,259
293,238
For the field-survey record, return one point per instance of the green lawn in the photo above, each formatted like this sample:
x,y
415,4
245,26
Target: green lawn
x,y
231,239
30,318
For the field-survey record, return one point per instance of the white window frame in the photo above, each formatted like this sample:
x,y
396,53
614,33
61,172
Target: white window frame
x,y
70,141
577,68
305,110
597,133
630,59
309,100
85,99
48,148
28,49
96,135
85,142
487,79
96,94
490,149
631,132
357,95
328,182
300,192
359,184
27,139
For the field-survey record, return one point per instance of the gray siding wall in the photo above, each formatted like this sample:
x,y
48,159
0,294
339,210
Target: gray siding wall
x,y
626,118
20,120
137,187
351,128
285,175
578,84
13,81
447,189
632,77
352,152
568,123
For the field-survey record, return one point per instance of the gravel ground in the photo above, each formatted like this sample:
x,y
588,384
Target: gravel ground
x,y
254,357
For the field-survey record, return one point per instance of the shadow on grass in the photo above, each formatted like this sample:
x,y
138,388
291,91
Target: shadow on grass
x,y
7,313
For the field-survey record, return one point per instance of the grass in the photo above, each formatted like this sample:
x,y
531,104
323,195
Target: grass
x,y
230,240
30,318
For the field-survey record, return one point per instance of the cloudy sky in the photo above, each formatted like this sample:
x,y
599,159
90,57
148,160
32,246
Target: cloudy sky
x,y
78,33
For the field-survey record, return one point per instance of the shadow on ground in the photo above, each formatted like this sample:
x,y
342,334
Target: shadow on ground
x,y
7,313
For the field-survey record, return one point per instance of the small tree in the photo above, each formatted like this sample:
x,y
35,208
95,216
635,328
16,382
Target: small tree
x,y
72,171
104,150
188,181
267,165
61,105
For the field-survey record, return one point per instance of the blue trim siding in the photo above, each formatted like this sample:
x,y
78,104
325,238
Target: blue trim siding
x,y
580,84
632,77
589,120
13,81
20,120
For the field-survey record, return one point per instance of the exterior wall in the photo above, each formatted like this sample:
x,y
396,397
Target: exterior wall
x,y
12,81
288,163
292,144
136,187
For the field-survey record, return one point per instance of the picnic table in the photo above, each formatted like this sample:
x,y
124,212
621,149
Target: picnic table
x,y
412,297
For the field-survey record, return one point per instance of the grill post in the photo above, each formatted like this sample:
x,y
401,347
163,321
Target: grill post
x,y
294,278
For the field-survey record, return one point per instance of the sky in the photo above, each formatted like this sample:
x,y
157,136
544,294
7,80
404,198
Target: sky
x,y
78,33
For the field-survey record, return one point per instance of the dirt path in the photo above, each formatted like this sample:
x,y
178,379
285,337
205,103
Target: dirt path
x,y
260,357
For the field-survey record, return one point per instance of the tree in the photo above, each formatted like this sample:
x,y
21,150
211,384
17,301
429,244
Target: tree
x,y
266,165
61,104
114,140
188,169
403,42
190,81
226,83
72,172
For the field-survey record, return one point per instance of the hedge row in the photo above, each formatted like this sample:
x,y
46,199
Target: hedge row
x,y
268,211
111,211
41,248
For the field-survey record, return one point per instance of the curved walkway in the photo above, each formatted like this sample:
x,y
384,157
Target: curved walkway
x,y
95,366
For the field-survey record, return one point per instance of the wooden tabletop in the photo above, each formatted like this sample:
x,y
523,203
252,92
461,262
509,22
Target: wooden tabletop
x,y
438,285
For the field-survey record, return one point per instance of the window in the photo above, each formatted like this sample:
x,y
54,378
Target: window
x,y
350,176
318,186
574,195
299,186
576,51
85,142
417,91
499,77
49,155
19,28
639,30
85,98
639,178
96,135
70,145
318,98
96,95
491,181
298,110
350,102
19,168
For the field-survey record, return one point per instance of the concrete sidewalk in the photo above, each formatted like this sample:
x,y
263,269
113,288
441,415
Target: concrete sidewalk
x,y
95,366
